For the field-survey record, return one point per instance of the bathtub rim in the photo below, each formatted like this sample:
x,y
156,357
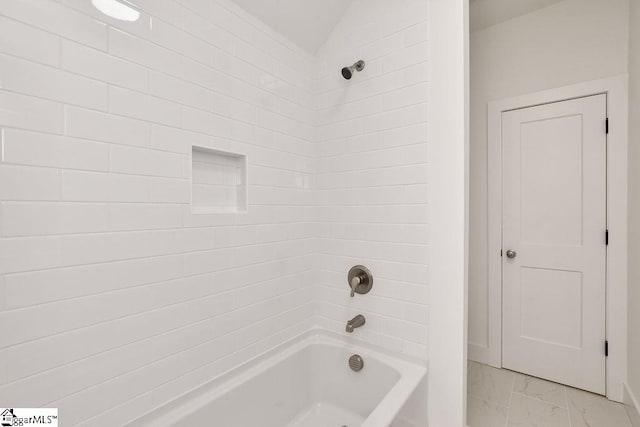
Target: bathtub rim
x,y
411,372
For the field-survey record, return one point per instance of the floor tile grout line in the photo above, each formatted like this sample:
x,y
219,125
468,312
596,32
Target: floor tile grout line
x,y
628,414
540,400
566,398
628,417
544,402
513,386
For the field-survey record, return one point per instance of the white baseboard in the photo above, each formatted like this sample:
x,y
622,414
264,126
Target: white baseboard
x,y
478,353
632,405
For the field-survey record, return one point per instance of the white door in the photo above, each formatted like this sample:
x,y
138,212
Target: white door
x,y
554,222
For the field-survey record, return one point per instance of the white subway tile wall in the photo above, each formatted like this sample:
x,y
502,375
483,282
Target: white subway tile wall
x,y
218,181
114,296
370,186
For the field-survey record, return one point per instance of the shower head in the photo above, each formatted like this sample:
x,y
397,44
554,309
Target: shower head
x,y
347,72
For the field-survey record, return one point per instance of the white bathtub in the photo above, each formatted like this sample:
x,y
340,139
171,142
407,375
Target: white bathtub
x,y
306,383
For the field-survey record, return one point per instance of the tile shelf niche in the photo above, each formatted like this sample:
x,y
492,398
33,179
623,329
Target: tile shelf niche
x,y
218,181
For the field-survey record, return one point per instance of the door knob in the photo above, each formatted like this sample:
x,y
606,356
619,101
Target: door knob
x,y
511,254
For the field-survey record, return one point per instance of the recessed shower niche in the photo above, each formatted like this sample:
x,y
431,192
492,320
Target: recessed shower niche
x,y
218,181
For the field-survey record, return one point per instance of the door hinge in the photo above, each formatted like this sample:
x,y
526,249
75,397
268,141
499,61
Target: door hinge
x,y
606,348
607,125
606,237
500,252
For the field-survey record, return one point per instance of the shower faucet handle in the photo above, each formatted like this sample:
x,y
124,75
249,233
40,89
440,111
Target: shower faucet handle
x,y
360,280
355,282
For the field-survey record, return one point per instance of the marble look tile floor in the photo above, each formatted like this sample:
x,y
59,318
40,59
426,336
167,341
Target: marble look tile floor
x,y
502,398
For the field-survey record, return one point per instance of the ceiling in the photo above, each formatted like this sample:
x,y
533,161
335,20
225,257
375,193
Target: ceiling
x,y
307,23
485,13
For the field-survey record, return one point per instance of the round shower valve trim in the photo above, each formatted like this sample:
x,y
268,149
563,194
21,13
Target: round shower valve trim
x,y
360,280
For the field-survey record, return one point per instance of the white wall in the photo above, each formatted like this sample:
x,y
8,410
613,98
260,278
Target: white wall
x,y
370,190
634,208
113,296
448,207
570,42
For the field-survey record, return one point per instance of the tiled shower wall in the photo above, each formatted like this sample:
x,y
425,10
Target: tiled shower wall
x,y
370,190
114,297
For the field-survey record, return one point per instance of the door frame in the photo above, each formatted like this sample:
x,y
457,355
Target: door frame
x,y
616,89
